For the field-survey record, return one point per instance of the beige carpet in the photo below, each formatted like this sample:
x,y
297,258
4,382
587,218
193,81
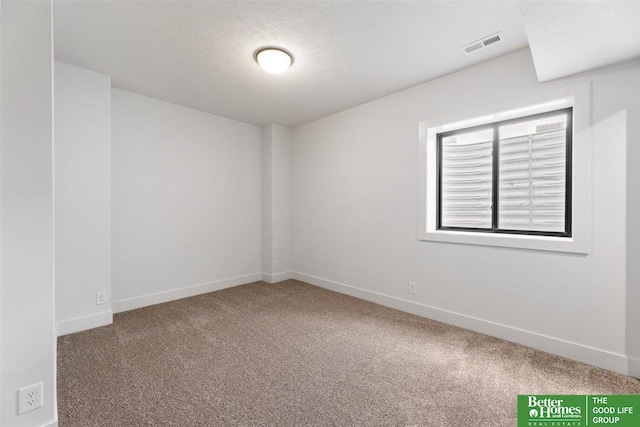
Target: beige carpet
x,y
293,354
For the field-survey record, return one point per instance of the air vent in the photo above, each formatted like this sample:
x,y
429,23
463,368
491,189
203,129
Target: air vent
x,y
484,42
472,47
491,40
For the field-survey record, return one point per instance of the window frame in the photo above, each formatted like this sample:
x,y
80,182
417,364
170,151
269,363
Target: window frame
x,y
456,112
495,182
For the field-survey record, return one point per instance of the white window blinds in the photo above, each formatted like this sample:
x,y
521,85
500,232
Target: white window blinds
x,y
532,171
506,177
466,189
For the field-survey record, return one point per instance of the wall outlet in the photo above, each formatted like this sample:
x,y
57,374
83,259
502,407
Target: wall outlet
x,y
412,288
29,398
276,265
101,298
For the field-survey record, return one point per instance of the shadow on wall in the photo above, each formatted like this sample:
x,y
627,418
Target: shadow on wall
x,y
616,127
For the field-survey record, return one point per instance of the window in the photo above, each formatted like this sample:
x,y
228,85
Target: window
x,y
510,177
512,172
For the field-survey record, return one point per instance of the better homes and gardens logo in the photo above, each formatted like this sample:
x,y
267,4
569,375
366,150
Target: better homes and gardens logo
x,y
578,411
553,411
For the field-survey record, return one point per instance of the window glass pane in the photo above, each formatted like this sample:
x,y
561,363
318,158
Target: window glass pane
x,y
532,172
466,180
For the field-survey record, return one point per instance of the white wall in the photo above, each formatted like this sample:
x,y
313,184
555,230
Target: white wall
x,y
282,157
27,342
355,217
276,203
633,226
267,202
82,197
186,201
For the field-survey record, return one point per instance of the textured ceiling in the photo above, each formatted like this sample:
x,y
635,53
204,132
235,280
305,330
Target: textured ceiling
x,y
200,53
570,37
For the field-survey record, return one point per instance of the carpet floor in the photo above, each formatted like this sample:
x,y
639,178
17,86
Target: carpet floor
x,y
292,354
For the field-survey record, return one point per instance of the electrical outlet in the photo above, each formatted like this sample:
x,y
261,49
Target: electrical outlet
x,y
412,288
29,398
276,265
101,298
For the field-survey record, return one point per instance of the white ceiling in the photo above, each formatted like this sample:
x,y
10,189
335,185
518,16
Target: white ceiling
x,y
569,37
200,53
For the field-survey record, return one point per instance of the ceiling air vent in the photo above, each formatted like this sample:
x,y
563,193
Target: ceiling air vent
x,y
484,42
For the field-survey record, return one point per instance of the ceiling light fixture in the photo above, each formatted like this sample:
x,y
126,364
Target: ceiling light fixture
x,y
274,60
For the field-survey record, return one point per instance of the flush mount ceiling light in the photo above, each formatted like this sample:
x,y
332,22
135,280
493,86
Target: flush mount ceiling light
x,y
274,60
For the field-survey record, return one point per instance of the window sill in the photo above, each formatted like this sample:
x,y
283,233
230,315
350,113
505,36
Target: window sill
x,y
519,241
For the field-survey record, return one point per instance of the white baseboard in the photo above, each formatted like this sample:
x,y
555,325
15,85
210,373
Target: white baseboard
x,y
279,277
634,367
189,291
592,356
83,323
51,424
